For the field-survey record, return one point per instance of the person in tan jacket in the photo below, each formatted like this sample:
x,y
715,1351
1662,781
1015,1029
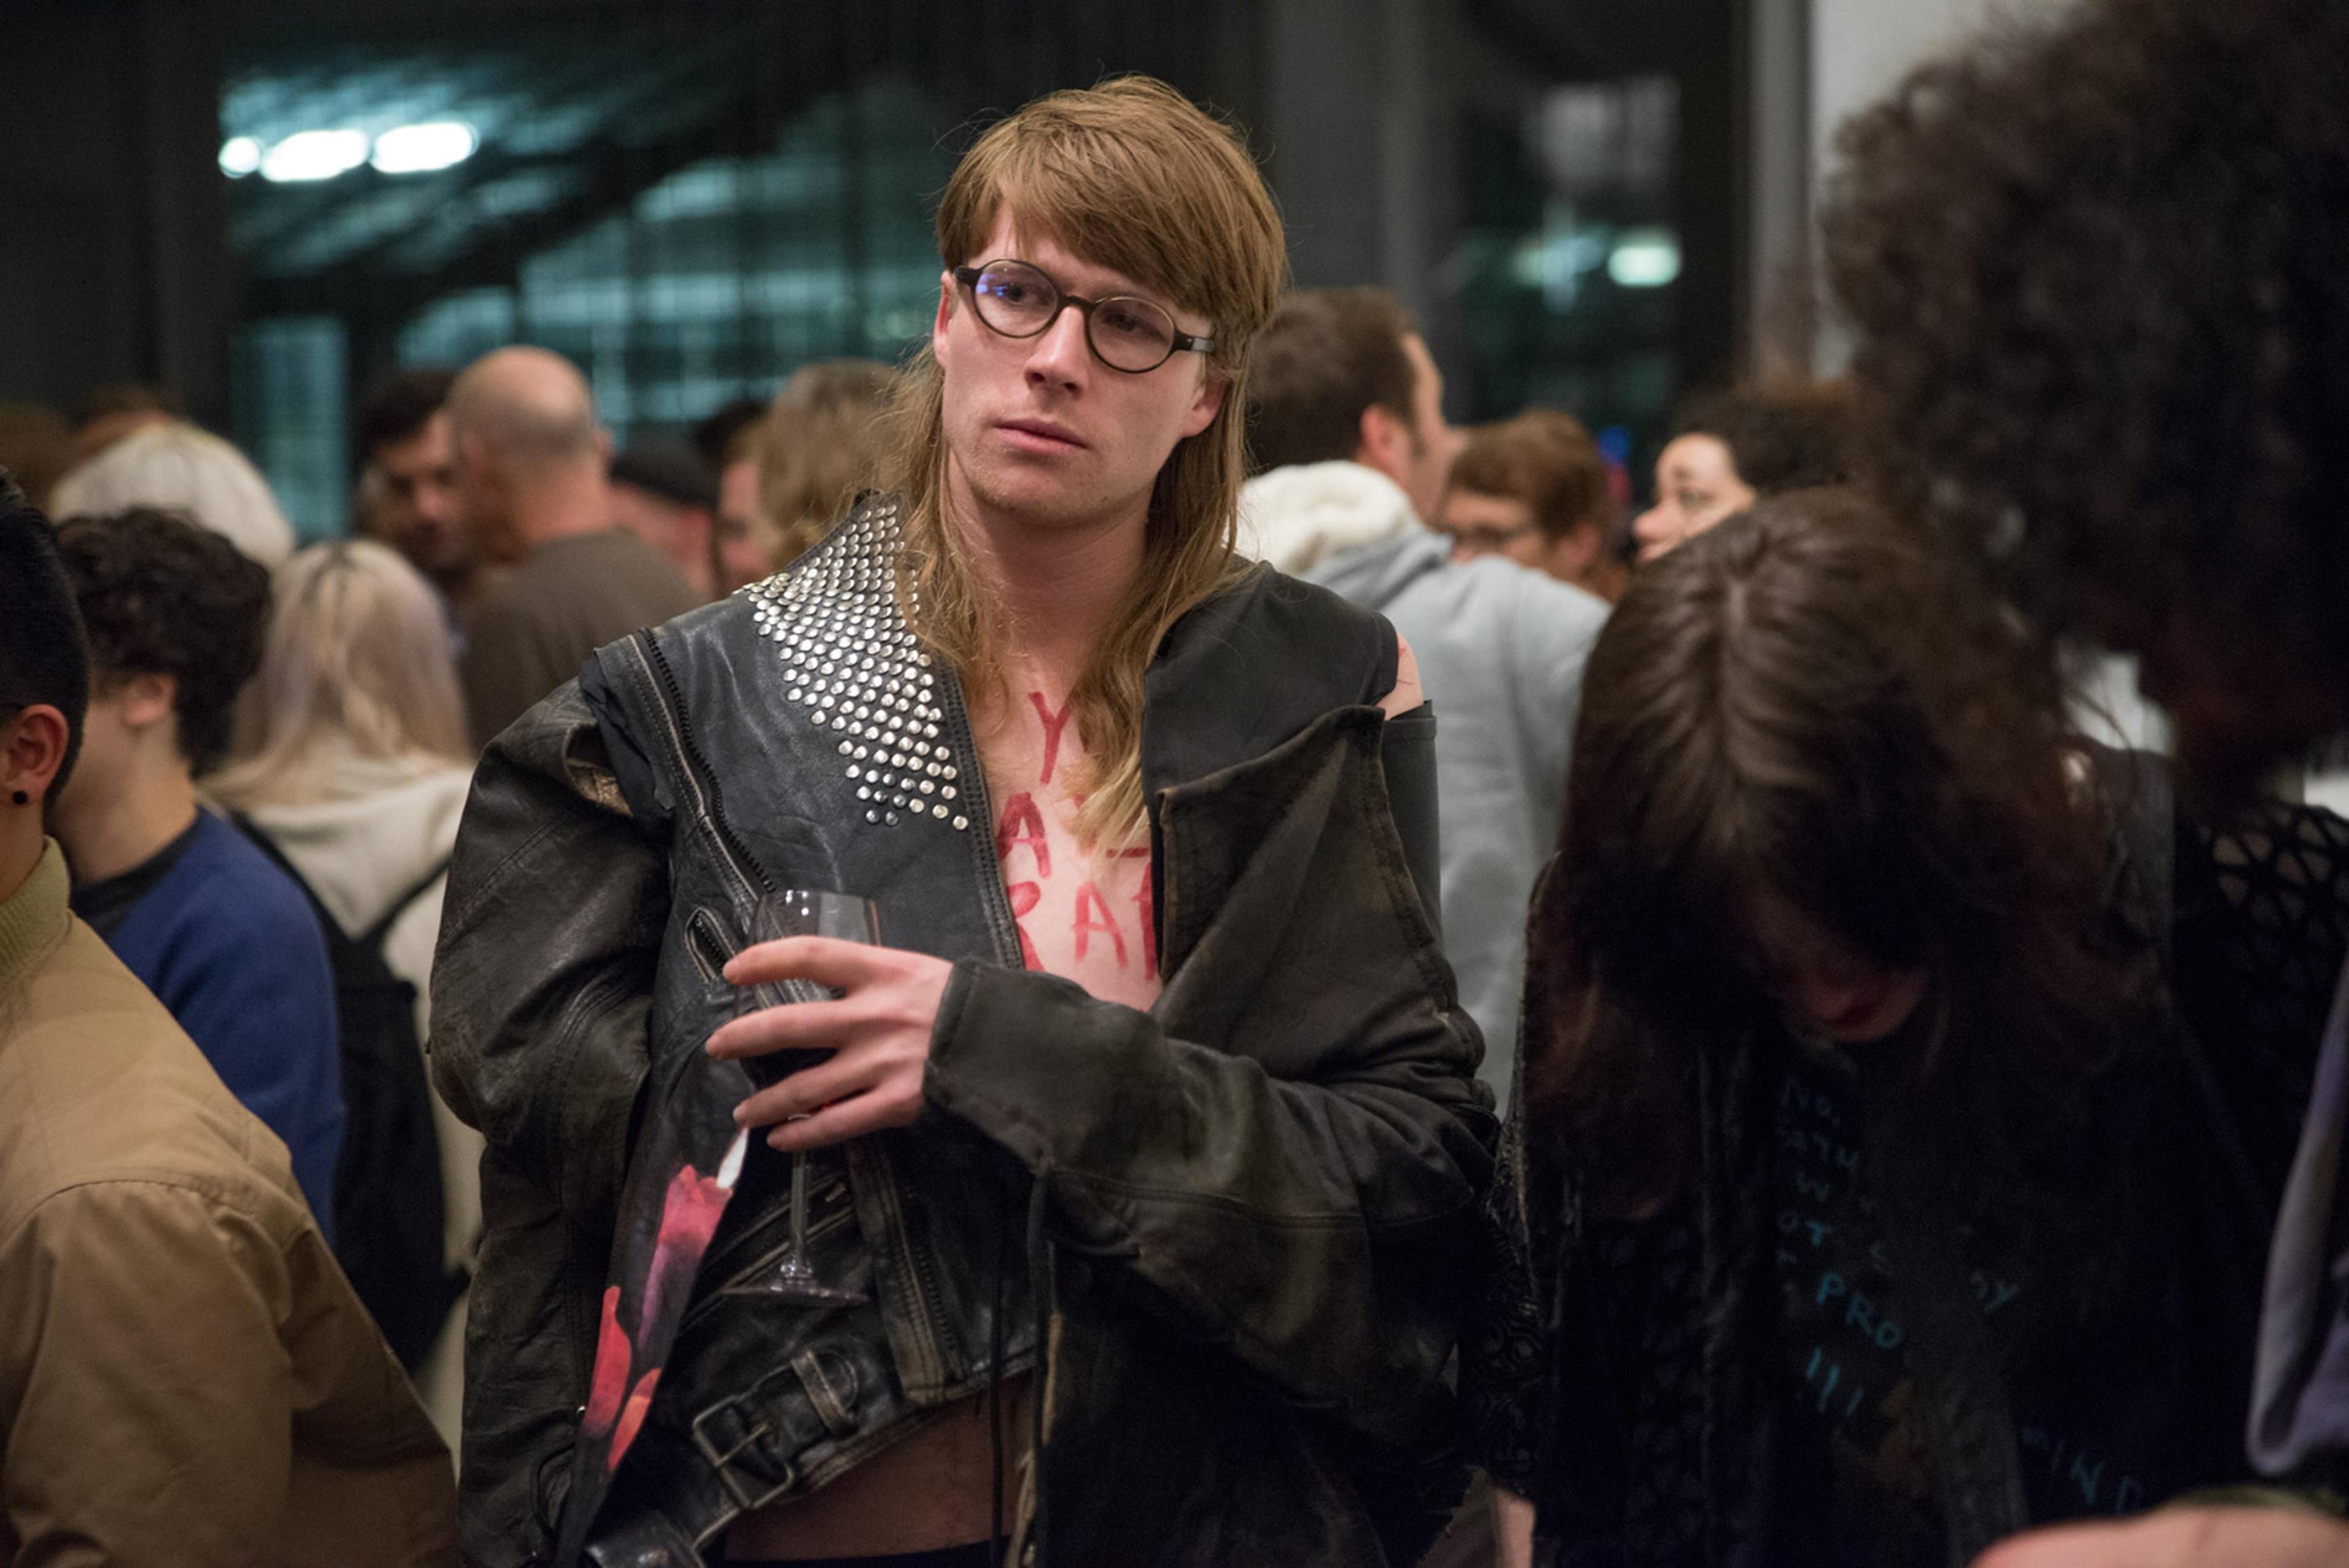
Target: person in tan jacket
x,y
186,1378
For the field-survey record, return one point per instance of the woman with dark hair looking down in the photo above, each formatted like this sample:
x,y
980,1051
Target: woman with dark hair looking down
x,y
1896,1149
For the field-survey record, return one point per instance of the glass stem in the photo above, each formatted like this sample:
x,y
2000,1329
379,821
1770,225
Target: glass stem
x,y
799,1207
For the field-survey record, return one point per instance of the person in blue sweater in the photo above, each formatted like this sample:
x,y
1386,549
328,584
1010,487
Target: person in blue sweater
x,y
222,938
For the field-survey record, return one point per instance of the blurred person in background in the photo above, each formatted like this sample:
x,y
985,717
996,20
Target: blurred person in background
x,y
353,760
1534,489
1347,439
175,616
532,488
174,466
740,539
663,494
37,446
1906,1097
1344,399
1732,449
402,434
185,1377
113,411
820,443
717,436
2095,271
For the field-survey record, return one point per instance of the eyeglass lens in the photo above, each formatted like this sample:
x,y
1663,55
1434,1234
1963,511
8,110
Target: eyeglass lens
x,y
1019,302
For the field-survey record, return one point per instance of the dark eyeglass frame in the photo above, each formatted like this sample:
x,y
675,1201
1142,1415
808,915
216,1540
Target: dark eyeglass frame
x,y
1182,342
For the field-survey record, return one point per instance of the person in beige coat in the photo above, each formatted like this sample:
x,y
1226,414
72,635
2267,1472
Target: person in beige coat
x,y
186,1378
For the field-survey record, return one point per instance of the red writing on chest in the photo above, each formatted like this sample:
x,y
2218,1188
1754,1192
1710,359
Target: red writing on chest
x,y
1093,916
1054,722
1021,823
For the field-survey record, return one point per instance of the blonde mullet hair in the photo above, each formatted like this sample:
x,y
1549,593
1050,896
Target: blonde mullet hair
x,y
1132,176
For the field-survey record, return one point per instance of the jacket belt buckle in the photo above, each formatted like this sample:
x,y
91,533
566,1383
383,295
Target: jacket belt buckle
x,y
721,1457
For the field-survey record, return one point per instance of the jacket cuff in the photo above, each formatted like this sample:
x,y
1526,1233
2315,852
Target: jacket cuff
x,y
977,1021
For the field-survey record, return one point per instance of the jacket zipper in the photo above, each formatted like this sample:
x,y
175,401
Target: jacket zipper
x,y
709,804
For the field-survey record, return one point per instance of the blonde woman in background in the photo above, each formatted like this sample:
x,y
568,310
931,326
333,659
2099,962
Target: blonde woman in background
x,y
820,443
175,466
352,762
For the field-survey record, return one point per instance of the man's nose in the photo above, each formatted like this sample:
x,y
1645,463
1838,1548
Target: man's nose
x,y
1062,353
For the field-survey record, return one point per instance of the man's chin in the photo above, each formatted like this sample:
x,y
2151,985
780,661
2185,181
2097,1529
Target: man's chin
x,y
1036,495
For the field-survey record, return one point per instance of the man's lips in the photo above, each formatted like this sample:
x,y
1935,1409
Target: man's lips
x,y
1040,435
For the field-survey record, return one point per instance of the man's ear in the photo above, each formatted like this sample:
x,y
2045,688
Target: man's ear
x,y
1384,445
146,699
1209,402
946,314
473,464
32,749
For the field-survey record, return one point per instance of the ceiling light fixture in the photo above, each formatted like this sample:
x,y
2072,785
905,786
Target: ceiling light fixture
x,y
1645,258
313,155
421,148
240,156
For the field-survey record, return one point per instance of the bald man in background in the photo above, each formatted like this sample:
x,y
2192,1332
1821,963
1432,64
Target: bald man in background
x,y
531,489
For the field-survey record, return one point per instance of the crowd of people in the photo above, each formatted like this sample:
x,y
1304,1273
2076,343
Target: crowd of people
x,y
1118,946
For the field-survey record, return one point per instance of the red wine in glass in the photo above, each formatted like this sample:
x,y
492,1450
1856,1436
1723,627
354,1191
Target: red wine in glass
x,y
800,913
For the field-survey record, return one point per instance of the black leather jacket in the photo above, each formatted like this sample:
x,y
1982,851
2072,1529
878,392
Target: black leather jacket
x,y
1240,1220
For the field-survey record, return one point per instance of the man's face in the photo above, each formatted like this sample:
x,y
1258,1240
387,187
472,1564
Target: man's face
x,y
1434,442
419,514
741,543
1040,431
1482,524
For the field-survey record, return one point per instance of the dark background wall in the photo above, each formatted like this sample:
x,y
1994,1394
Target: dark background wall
x,y
116,266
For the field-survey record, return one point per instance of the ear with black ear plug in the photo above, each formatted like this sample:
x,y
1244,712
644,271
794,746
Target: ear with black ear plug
x,y
23,799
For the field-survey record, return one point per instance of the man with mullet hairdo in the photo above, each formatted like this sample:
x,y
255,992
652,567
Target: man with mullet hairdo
x,y
1140,1151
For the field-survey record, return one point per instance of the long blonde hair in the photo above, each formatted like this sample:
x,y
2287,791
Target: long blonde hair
x,y
358,661
1131,176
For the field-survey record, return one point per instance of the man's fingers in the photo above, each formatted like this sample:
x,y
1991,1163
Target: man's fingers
x,y
827,960
794,1026
853,1117
809,1090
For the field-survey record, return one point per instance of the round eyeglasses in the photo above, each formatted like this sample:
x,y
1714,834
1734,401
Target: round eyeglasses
x,y
1126,334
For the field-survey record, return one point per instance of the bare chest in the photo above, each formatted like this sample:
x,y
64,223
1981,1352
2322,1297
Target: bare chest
x,y
1083,908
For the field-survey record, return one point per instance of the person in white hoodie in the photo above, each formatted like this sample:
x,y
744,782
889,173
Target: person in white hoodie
x,y
354,763
1346,425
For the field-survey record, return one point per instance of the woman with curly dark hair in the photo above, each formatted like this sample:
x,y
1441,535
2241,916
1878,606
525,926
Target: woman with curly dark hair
x,y
1871,1195
2098,278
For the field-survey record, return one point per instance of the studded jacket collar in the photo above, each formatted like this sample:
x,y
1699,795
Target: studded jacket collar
x,y
1238,1213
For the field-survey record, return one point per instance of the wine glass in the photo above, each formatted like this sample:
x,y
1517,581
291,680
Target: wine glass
x,y
800,913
